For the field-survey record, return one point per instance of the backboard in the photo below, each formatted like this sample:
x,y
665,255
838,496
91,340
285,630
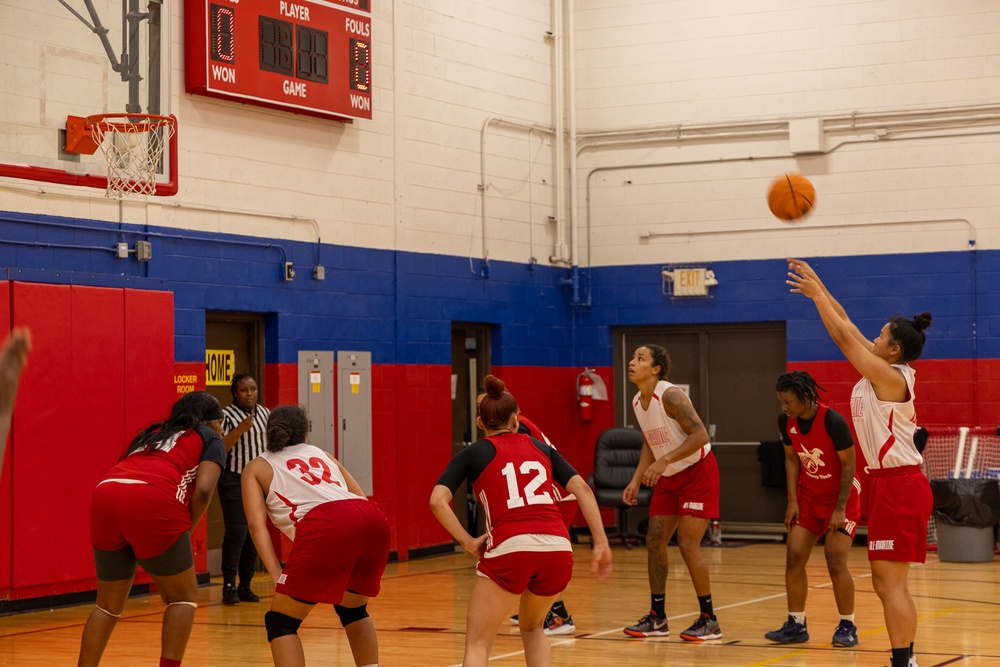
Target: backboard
x,y
54,64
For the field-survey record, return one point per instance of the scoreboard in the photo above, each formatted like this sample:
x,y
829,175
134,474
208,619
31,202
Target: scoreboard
x,y
306,56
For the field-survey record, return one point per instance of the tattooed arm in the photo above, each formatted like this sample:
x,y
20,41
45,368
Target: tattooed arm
x,y
678,407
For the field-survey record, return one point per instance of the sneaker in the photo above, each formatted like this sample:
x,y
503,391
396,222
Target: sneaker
x,y
649,625
704,628
513,619
229,594
846,634
795,633
557,625
247,595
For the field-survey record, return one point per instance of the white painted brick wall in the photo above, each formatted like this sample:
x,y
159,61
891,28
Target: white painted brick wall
x,y
409,178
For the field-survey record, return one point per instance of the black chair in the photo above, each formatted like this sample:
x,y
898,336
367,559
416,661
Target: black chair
x,y
615,458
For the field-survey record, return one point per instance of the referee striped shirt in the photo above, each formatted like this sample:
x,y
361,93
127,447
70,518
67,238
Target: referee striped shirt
x,y
252,443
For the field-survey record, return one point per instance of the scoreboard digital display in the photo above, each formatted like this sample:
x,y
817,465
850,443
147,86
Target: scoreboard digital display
x,y
307,56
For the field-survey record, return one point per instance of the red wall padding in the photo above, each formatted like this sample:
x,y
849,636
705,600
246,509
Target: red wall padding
x,y
101,368
5,471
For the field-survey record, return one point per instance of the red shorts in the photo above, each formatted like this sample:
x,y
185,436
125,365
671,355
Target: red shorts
x,y
899,504
339,546
693,491
815,517
543,573
136,515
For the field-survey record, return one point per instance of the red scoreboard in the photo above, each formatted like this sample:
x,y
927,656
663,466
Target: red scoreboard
x,y
306,56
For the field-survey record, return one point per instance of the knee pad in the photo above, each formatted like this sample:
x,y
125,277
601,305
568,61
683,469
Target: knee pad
x,y
279,625
184,602
349,615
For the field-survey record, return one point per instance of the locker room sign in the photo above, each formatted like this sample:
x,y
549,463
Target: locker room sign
x,y
219,365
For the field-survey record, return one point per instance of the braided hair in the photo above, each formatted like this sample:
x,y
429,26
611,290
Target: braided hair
x,y
287,425
190,410
239,377
658,357
801,384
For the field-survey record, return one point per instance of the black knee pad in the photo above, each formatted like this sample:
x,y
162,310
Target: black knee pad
x,y
279,625
349,615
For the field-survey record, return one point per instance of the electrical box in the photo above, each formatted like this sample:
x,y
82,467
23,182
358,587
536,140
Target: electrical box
x,y
354,415
316,395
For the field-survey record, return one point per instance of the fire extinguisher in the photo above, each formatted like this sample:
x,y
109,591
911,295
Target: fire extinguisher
x,y
585,395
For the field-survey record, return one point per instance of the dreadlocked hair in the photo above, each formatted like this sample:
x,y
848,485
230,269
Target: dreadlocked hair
x,y
801,384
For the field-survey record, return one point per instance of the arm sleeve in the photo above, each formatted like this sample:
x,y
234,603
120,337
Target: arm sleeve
x,y
562,471
213,449
467,465
838,430
783,429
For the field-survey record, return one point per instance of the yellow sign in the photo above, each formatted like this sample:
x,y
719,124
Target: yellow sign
x,y
219,365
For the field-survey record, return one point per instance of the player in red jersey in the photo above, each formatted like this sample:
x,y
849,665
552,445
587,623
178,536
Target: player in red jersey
x,y
822,500
142,513
340,538
525,552
885,421
558,621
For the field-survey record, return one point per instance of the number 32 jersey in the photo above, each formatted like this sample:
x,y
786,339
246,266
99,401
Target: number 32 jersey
x,y
512,477
304,477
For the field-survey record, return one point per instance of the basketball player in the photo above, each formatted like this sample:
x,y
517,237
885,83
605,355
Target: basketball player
x,y
822,500
340,538
526,552
558,621
12,359
677,461
899,498
143,511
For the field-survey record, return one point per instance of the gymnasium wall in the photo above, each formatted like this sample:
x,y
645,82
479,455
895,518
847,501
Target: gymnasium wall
x,y
442,208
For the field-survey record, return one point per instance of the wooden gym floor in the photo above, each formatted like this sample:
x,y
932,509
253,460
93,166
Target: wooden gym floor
x,y
420,618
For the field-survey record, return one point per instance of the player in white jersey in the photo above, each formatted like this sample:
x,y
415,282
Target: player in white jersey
x,y
899,497
677,461
341,539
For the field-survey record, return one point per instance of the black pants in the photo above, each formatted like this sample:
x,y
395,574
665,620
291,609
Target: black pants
x,y
239,556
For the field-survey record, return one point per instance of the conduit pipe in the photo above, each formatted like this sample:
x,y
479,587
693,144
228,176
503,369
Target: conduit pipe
x,y
484,185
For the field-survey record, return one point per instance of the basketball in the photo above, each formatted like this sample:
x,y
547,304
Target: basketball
x,y
791,196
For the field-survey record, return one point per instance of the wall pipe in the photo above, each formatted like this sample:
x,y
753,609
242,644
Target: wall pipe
x,y
559,144
483,186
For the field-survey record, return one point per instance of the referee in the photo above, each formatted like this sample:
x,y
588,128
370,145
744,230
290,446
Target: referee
x,y
244,435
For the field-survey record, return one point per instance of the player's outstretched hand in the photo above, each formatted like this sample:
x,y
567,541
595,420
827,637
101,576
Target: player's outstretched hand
x,y
803,280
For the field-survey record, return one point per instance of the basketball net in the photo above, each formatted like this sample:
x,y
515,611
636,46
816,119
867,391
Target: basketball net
x,y
133,146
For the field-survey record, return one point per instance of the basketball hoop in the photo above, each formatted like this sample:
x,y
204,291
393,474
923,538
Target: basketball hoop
x,y
132,144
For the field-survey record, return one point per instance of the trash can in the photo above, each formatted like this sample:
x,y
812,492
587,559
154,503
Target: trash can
x,y
966,510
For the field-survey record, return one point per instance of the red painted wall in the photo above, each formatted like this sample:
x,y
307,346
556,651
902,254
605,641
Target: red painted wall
x,y
949,392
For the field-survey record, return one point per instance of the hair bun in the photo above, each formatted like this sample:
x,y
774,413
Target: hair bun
x,y
922,321
493,386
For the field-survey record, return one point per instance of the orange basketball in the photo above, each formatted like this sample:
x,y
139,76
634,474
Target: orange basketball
x,y
791,196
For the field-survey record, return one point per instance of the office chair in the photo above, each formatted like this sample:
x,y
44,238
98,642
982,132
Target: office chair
x,y
615,458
